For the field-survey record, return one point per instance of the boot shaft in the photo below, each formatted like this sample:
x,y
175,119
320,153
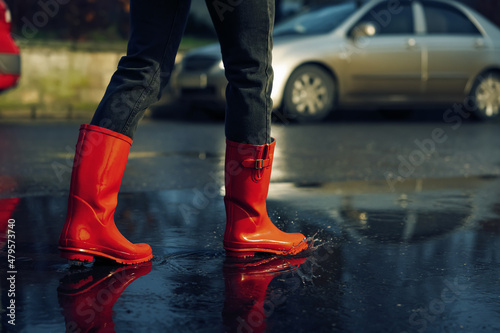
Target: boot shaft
x,y
248,171
247,176
100,160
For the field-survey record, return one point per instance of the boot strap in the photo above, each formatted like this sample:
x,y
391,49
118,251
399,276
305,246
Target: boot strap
x,y
256,163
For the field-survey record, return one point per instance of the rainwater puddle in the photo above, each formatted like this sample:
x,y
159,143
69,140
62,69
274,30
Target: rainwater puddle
x,y
422,258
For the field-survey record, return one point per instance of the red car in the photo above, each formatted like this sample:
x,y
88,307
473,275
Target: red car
x,y
10,61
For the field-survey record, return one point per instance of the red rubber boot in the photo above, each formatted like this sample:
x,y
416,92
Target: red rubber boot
x,y
248,228
89,231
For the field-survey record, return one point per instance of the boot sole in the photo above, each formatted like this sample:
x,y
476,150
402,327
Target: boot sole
x,y
81,255
250,252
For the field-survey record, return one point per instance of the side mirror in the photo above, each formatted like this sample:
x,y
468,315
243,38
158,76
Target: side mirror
x,y
364,29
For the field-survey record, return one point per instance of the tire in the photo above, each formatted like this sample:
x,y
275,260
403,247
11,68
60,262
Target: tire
x,y
485,94
310,94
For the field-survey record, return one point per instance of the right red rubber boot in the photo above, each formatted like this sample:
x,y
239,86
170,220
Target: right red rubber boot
x,y
90,230
248,227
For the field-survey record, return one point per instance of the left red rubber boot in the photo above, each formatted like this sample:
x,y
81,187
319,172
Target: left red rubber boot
x,y
90,230
248,227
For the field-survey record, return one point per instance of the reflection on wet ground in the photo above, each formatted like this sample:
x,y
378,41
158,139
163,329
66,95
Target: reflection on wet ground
x,y
421,259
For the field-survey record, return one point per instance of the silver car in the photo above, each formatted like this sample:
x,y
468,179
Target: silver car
x,y
383,54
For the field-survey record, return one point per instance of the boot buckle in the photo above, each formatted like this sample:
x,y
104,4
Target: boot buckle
x,y
259,164
256,164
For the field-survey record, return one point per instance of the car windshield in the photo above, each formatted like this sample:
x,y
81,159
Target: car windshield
x,y
316,21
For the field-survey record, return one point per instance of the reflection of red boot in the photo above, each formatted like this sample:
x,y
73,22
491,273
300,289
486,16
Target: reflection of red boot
x,y
247,303
248,227
87,297
7,207
100,159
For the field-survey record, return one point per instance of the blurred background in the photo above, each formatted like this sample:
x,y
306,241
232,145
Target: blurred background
x,y
70,50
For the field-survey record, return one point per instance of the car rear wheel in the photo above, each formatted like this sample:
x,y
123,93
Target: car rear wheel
x,y
309,94
485,94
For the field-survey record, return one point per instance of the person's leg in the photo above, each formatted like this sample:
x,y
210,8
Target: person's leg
x,y
156,31
103,146
245,29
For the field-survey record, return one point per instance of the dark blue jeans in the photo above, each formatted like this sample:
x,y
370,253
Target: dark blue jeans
x,y
244,29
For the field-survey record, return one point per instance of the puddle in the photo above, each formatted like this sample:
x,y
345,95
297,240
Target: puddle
x,y
424,257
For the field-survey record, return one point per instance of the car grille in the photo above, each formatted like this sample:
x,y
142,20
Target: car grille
x,y
195,63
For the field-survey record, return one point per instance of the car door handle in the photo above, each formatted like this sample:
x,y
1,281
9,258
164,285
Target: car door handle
x,y
411,43
479,43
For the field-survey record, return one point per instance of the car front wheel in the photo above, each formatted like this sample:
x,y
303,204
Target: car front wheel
x,y
485,94
309,94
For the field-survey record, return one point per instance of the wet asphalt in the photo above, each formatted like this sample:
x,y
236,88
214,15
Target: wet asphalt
x,y
406,215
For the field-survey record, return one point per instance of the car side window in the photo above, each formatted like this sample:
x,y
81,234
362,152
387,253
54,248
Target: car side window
x,y
445,19
390,20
